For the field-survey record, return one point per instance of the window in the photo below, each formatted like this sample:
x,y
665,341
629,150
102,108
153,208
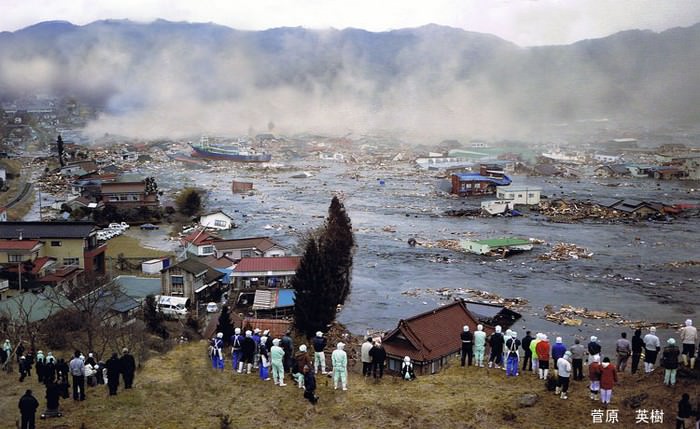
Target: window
x,y
133,197
531,195
71,261
207,250
15,258
177,285
221,223
520,195
122,198
246,253
55,244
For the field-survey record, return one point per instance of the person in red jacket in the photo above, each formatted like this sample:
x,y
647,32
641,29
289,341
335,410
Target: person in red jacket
x,y
608,378
594,376
542,348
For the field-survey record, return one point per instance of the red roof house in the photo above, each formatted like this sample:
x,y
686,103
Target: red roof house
x,y
251,273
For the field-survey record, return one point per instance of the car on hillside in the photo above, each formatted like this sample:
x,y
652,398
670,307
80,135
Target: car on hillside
x,y
148,227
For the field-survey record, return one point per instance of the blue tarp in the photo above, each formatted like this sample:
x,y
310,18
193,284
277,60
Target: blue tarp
x,y
285,298
463,177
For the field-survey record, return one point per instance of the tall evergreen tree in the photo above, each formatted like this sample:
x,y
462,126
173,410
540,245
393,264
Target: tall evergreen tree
x,y
315,300
225,326
60,150
338,243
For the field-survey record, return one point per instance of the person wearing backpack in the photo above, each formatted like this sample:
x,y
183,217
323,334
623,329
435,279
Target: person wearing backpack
x,y
512,346
407,372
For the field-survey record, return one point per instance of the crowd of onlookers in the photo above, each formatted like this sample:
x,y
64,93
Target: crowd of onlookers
x,y
58,375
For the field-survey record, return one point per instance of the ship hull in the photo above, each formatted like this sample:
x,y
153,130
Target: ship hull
x,y
208,154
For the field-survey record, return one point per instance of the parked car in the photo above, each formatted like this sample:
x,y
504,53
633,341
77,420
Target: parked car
x,y
148,226
212,307
123,226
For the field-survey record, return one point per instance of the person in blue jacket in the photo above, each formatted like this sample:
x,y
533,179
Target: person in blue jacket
x,y
558,350
236,344
217,357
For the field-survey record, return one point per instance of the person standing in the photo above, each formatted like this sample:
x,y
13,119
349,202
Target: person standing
x,y
578,352
40,362
479,345
319,344
310,386
236,340
77,371
27,408
277,360
467,339
288,346
113,366
496,342
339,359
542,349
264,359
217,357
527,358
128,367
594,377
256,355
652,345
637,347
689,335
378,355
623,349
669,360
685,412
593,349
533,351
23,365
512,346
248,352
608,378
564,371
365,357
558,350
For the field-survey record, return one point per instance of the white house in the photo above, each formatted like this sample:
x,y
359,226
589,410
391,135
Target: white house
x,y
519,194
216,220
608,158
248,247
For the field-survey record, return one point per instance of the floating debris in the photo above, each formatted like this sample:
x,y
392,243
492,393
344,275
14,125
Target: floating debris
x,y
481,295
564,252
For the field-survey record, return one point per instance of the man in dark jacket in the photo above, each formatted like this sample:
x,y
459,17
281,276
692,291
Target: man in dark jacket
x,y
467,344
669,361
637,346
113,366
378,355
319,343
527,359
496,342
310,386
128,367
288,346
27,408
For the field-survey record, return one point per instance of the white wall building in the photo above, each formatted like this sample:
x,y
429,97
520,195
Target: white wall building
x,y
216,220
526,195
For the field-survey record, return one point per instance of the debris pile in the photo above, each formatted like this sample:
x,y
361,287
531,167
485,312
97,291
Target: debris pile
x,y
564,252
480,295
683,264
54,184
567,211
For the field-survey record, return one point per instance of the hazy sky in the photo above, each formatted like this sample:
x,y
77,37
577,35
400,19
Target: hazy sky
x,y
525,22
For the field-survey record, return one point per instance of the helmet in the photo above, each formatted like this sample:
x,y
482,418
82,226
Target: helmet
x,y
248,333
498,329
479,327
340,346
319,334
220,335
237,331
302,348
465,328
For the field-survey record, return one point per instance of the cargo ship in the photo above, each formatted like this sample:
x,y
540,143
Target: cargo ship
x,y
237,152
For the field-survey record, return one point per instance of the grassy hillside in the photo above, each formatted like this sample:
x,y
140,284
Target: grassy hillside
x,y
180,390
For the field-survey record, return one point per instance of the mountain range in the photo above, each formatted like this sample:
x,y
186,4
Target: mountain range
x,y
181,78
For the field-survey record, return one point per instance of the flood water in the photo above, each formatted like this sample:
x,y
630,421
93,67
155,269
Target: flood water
x,y
626,275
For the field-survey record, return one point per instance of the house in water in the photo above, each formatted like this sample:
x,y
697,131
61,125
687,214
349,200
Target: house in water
x,y
482,183
273,302
634,207
248,247
519,195
216,220
497,246
191,279
430,339
253,273
612,170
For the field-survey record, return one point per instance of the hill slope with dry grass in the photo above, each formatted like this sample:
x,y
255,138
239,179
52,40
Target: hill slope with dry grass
x,y
180,390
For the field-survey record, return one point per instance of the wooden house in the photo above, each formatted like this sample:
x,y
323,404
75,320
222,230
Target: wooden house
x,y
430,339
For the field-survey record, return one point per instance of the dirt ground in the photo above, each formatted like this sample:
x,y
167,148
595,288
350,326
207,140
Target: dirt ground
x,y
180,390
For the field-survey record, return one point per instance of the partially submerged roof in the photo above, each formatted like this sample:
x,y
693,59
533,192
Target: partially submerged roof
x,y
45,230
476,177
492,314
123,187
503,242
431,335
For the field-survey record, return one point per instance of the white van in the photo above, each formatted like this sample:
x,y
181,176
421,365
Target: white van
x,y
175,306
